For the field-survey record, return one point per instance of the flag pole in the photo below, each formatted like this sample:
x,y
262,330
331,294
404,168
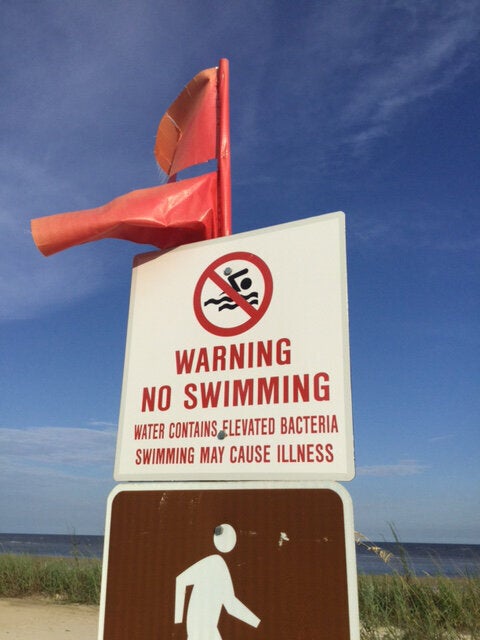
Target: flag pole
x,y
223,152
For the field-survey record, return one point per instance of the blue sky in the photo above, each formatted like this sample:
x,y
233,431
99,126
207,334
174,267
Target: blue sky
x,y
366,107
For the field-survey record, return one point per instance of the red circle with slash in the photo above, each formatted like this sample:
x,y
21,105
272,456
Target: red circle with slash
x,y
210,275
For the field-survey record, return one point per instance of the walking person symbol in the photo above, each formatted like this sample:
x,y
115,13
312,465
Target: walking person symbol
x,y
212,590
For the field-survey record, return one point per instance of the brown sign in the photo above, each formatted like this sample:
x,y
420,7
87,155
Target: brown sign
x,y
212,563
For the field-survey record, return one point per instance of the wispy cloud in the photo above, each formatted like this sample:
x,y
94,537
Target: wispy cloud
x,y
50,449
102,423
55,479
345,76
430,49
448,436
455,234
402,468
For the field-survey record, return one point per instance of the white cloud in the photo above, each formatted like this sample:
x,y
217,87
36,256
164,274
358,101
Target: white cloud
x,y
55,479
448,436
402,468
430,49
46,450
102,423
345,76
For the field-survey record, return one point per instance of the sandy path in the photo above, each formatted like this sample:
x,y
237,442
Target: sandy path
x,y
33,619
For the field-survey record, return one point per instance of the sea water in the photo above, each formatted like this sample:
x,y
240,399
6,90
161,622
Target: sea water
x,y
66,546
420,558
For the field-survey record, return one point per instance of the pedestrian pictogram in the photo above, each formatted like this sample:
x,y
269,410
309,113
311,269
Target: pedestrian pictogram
x,y
212,590
233,293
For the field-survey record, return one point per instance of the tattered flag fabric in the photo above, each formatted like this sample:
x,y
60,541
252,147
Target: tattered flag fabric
x,y
165,217
193,130
187,133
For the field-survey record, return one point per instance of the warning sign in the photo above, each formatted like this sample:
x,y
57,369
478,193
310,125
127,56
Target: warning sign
x,y
233,293
237,359
250,561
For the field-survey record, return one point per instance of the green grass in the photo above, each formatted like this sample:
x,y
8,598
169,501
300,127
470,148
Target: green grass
x,y
409,608
402,606
63,579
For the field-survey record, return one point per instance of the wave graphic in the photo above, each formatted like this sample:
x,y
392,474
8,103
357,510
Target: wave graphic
x,y
226,302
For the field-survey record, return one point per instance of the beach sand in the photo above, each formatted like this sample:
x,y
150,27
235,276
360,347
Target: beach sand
x,y
38,619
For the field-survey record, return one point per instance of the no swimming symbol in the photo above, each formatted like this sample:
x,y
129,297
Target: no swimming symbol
x,y
233,294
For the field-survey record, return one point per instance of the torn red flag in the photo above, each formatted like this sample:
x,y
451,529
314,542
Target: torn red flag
x,y
187,133
194,129
165,217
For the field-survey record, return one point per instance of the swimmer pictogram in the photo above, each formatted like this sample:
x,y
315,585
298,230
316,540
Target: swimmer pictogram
x,y
225,301
233,293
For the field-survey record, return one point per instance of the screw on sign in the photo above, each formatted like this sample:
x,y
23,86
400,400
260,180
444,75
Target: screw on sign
x,y
233,293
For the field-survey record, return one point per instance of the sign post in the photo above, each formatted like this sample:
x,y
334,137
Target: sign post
x,y
236,369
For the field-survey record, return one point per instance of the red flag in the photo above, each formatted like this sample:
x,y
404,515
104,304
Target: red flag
x,y
166,216
187,133
194,129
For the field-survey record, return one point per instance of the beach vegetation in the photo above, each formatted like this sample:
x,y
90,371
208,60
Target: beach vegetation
x,y
404,606
397,606
63,579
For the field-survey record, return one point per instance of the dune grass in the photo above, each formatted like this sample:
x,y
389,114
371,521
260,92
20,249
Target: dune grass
x,y
62,579
410,608
403,606
392,607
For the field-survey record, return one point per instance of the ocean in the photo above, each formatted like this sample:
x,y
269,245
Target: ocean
x,y
423,559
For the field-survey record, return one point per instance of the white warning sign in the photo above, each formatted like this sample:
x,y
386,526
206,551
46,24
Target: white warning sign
x,y
237,359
